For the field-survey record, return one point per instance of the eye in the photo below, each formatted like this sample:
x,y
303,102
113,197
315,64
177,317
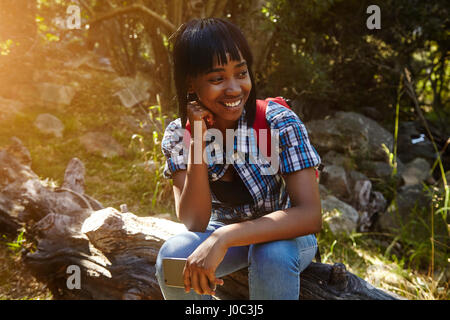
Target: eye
x,y
215,79
243,74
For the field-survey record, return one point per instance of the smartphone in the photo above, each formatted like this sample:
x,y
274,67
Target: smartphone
x,y
173,272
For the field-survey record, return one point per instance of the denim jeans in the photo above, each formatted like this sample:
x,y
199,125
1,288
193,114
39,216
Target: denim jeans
x,y
273,267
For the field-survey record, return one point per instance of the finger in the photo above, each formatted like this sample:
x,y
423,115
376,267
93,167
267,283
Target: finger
x,y
187,279
205,284
213,282
219,282
210,118
195,284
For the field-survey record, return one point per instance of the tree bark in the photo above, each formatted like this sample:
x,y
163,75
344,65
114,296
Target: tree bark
x,y
116,251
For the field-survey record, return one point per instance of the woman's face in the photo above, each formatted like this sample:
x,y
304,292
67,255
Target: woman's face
x,y
224,90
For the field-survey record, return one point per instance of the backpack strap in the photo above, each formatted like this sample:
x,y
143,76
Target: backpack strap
x,y
261,121
187,134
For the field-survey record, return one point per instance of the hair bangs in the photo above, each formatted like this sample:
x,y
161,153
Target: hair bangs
x,y
209,44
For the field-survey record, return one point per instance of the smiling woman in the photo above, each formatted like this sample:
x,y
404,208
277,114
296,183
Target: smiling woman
x,y
237,215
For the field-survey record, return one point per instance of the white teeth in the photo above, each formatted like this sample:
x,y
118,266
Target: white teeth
x,y
234,104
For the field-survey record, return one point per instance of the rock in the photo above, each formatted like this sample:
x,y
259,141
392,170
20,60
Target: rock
x,y
353,176
9,108
131,96
409,199
148,165
102,144
323,191
333,157
350,132
334,178
381,169
372,113
340,217
92,61
133,90
49,124
369,204
416,171
412,143
55,93
363,190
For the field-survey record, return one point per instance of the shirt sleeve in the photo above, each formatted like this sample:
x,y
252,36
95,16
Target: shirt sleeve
x,y
173,149
295,150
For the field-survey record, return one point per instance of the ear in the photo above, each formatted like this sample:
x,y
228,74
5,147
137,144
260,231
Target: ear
x,y
190,86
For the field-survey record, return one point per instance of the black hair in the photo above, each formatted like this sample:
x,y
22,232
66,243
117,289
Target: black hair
x,y
196,44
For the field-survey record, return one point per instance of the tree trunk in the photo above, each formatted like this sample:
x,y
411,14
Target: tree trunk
x,y
116,251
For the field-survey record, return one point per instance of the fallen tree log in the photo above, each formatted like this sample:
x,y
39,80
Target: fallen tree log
x,y
115,251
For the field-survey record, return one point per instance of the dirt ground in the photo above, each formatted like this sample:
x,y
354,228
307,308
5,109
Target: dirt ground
x,y
16,282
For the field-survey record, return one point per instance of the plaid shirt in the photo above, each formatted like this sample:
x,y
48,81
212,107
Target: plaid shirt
x,y
267,190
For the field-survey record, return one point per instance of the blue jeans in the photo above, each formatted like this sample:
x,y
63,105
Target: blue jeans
x,y
273,267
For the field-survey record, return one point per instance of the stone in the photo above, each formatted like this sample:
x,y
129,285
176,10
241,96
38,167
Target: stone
x,y
416,171
91,60
413,143
339,216
102,144
351,132
333,157
410,199
148,165
132,90
49,124
323,191
131,96
362,189
353,176
334,178
10,108
368,203
55,93
381,169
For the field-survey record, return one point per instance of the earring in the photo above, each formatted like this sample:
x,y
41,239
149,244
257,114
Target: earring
x,y
191,97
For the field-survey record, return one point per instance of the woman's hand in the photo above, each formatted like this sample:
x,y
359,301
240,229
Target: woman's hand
x,y
201,265
197,112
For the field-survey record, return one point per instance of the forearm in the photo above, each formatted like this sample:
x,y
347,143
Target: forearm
x,y
195,201
278,225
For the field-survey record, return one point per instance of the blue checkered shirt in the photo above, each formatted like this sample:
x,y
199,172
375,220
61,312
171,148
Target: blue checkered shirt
x,y
267,190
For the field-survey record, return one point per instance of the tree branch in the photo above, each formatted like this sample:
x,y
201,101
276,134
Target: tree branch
x,y
135,7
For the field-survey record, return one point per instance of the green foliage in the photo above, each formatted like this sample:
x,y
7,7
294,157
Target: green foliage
x,y
154,155
17,245
330,59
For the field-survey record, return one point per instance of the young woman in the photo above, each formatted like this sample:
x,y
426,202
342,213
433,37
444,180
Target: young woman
x,y
236,216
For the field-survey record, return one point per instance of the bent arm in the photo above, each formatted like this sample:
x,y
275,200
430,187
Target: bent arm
x,y
304,217
192,194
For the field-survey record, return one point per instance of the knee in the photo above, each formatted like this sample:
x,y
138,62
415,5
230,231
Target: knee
x,y
275,255
178,246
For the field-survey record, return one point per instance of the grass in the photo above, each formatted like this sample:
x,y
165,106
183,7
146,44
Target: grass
x,y
16,282
377,258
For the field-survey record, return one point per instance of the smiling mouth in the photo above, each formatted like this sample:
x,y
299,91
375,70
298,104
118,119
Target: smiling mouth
x,y
232,104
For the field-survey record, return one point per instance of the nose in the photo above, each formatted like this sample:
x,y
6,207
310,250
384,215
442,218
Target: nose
x,y
233,88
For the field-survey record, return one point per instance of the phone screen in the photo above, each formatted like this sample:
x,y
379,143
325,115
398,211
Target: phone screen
x,y
173,272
